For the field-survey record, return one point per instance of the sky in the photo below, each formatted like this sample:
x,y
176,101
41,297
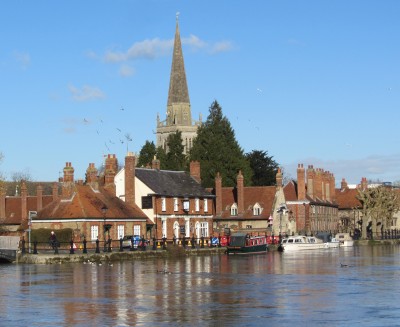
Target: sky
x,y
311,82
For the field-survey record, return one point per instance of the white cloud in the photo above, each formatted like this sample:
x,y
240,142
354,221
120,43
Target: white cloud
x,y
194,42
154,48
149,49
223,46
126,71
86,93
24,59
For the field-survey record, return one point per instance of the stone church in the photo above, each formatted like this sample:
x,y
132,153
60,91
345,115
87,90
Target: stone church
x,y
178,113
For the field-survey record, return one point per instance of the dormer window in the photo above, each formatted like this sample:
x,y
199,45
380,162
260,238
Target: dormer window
x,y
257,210
234,210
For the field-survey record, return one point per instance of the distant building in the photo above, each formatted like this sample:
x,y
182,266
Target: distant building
x,y
178,113
311,201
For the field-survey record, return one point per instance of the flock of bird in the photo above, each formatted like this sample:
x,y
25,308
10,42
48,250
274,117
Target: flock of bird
x,y
122,139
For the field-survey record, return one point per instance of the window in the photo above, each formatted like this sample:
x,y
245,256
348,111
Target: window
x,y
249,227
197,204
204,229
121,231
163,204
94,232
164,227
205,205
234,210
136,230
175,204
257,210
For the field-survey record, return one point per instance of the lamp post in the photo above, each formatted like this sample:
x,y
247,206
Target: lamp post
x,y
104,211
31,215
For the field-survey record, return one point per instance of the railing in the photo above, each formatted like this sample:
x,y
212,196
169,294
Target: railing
x,y
110,245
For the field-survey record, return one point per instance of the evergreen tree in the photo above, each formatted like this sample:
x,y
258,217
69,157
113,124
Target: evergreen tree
x,y
217,150
175,158
146,154
264,168
162,156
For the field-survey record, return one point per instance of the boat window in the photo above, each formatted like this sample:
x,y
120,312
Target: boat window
x,y
290,241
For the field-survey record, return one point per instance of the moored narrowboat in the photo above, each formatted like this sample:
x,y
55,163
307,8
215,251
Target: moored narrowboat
x,y
241,243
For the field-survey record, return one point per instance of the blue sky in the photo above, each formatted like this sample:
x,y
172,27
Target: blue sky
x,y
312,82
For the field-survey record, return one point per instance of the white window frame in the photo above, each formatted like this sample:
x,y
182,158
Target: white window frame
x,y
234,210
176,204
204,228
120,231
205,205
257,210
197,204
163,204
136,230
94,232
164,227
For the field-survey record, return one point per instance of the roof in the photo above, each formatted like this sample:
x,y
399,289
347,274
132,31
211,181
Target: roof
x,y
347,199
14,208
290,191
88,203
263,195
171,183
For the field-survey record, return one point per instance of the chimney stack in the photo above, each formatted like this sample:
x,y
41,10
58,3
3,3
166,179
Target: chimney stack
x,y
240,192
195,170
130,162
310,181
68,181
301,186
279,178
55,191
39,197
155,163
218,194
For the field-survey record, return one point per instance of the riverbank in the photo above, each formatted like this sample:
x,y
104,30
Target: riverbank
x,y
79,257
171,251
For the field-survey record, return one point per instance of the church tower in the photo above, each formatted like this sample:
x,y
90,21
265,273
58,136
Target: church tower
x,y
178,115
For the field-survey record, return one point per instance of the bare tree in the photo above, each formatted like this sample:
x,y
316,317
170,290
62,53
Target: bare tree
x,y
379,205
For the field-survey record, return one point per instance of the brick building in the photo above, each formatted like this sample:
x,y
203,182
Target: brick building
x,y
174,201
311,201
90,207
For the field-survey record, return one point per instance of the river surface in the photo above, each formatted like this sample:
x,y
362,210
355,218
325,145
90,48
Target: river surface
x,y
357,286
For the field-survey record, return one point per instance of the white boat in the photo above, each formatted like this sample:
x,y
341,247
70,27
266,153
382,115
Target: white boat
x,y
344,239
300,242
333,243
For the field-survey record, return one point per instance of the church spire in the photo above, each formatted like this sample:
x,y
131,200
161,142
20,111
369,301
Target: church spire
x,y
178,89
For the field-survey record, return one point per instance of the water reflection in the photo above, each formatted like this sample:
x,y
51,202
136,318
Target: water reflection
x,y
335,288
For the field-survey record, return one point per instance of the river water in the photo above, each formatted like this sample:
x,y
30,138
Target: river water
x,y
333,287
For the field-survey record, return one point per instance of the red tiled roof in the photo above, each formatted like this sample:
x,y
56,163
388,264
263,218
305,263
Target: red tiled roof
x,y
290,191
263,195
347,199
14,209
87,203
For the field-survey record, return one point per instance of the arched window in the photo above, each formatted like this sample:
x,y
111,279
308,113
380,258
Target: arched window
x,y
176,229
257,210
234,210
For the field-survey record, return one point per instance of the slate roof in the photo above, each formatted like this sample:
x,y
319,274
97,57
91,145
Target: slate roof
x,y
171,183
87,203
